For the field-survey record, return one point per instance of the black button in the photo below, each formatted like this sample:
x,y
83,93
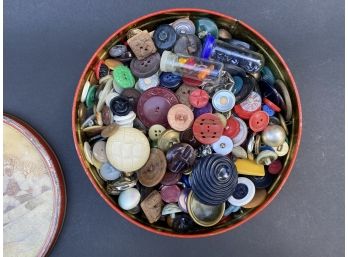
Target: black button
x,y
249,84
262,182
120,106
183,223
164,37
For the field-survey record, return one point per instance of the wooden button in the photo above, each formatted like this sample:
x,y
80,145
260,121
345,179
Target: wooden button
x,y
180,117
128,149
207,128
153,171
152,206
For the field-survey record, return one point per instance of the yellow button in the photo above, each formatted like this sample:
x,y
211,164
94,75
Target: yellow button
x,y
155,131
250,168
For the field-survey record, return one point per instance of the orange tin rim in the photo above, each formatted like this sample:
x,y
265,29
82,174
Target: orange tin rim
x,y
285,173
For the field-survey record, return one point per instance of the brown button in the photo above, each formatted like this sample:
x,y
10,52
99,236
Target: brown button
x,y
180,117
82,112
171,178
259,198
152,206
133,96
93,130
188,137
183,94
180,157
154,169
142,45
106,115
109,130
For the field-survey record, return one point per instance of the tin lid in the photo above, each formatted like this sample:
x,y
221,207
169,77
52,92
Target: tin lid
x,y
33,187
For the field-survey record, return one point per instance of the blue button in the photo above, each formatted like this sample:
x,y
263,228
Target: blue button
x,y
243,193
263,182
231,209
267,75
170,80
266,147
238,84
268,110
223,100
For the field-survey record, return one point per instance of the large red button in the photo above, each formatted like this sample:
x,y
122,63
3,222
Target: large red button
x,y
245,115
199,98
258,121
232,127
207,128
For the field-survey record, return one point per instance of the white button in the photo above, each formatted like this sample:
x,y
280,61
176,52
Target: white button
x,y
110,96
144,84
155,131
85,91
108,172
103,94
242,135
129,199
282,149
244,192
223,146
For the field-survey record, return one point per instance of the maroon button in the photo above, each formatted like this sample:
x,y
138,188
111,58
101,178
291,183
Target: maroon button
x,y
275,167
232,127
170,194
207,128
258,121
170,178
154,104
199,98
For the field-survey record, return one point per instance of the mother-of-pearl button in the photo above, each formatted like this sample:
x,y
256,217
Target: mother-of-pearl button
x,y
129,199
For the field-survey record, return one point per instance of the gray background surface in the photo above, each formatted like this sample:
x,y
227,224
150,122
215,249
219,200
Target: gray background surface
x,y
46,46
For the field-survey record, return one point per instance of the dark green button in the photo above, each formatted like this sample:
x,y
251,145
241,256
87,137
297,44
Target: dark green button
x,y
123,77
91,96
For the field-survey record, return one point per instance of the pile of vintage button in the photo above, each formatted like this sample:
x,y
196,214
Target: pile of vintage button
x,y
185,124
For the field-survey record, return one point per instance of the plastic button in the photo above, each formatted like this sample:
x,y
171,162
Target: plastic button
x,y
112,63
146,67
109,130
263,181
223,101
280,85
252,103
205,109
259,197
120,106
191,82
170,80
223,146
171,178
188,45
154,169
170,194
128,149
155,131
184,26
129,199
132,95
232,127
267,75
90,99
275,167
85,91
117,50
144,84
198,98
142,45
123,77
188,137
99,151
108,172
101,70
224,34
258,121
205,26
180,117
222,118
271,105
242,135
154,104
207,128
238,85
268,110
180,157
282,150
183,93
243,193
164,37
249,167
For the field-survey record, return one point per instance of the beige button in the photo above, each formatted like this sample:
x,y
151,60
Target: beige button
x,y
103,94
99,119
239,152
128,149
259,198
155,131
142,45
109,130
99,151
222,118
105,79
93,130
88,152
112,63
85,91
282,149
110,96
266,157
152,206
180,117
167,139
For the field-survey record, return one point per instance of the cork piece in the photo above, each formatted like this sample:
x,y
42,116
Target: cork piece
x,y
152,206
142,45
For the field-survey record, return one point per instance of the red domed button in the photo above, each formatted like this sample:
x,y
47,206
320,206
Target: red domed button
x,y
272,105
199,98
232,127
258,121
275,167
245,115
207,128
191,82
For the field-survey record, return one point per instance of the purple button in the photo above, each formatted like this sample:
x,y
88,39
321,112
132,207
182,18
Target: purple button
x,y
206,109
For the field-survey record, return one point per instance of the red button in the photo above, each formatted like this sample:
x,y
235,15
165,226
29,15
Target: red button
x,y
97,68
245,115
272,105
232,127
191,82
199,98
258,121
207,128
275,167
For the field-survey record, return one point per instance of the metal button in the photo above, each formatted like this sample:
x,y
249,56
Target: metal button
x,y
282,150
167,139
273,135
266,157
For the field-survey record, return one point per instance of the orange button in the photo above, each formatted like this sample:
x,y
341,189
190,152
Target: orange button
x,y
180,117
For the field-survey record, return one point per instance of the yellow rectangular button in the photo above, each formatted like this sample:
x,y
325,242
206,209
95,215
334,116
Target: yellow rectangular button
x,y
249,167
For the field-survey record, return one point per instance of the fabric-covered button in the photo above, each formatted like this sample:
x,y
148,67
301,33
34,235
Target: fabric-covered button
x,y
258,121
154,169
207,128
180,157
223,146
123,77
142,45
223,101
108,173
155,131
232,127
198,98
188,45
129,199
128,149
243,193
164,37
146,67
183,93
170,80
154,104
170,194
180,117
120,106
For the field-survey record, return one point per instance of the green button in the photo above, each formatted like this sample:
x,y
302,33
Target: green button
x,y
91,96
123,77
205,26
